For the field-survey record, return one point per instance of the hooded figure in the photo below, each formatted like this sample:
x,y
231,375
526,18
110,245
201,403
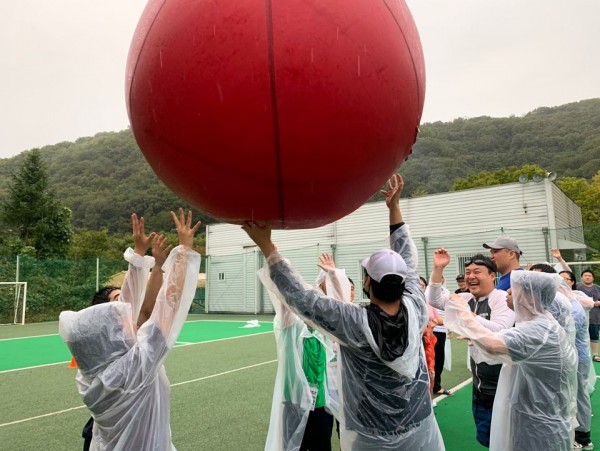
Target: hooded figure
x,y
533,408
121,377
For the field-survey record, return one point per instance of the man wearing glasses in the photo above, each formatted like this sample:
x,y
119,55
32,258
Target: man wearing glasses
x,y
489,306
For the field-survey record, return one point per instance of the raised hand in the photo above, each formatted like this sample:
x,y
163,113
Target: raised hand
x,y
160,250
140,239
441,258
392,194
326,262
261,235
185,231
556,253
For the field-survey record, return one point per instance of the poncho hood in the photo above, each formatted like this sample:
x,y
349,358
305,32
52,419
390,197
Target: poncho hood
x,y
98,335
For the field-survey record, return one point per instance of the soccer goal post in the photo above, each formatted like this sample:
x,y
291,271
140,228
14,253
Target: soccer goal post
x,y
13,302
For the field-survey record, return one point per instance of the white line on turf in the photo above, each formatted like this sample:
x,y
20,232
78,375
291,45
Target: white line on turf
x,y
31,336
36,366
453,389
176,347
224,321
192,321
183,343
212,376
221,374
24,420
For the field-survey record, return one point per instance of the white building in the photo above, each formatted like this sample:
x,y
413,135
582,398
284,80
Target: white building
x,y
538,215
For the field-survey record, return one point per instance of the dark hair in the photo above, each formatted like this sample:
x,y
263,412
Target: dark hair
x,y
571,277
351,281
482,260
102,294
542,267
423,280
587,270
390,289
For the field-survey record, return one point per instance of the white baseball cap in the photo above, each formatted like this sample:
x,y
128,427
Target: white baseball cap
x,y
383,263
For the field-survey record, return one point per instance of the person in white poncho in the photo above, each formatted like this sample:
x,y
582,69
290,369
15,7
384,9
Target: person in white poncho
x,y
304,398
537,385
121,377
138,284
384,401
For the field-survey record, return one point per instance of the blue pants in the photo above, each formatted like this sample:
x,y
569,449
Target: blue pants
x,y
483,421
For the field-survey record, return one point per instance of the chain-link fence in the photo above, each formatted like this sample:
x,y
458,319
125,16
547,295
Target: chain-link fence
x,y
56,285
53,285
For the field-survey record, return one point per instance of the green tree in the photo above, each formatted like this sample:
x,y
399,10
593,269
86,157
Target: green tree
x,y
587,196
52,233
584,194
33,212
505,175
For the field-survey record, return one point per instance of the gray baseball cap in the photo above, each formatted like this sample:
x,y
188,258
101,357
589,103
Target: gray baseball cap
x,y
504,242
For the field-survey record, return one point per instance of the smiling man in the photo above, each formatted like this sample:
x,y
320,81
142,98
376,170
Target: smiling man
x,y
489,307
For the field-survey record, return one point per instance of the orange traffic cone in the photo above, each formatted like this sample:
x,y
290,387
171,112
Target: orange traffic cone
x,y
73,363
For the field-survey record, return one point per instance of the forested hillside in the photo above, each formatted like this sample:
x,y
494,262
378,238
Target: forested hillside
x,y
102,179
565,139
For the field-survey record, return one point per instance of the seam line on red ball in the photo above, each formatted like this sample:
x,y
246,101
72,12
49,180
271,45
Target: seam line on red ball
x,y
275,112
142,48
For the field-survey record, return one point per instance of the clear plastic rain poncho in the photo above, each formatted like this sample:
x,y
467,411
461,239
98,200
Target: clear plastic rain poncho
x,y
561,311
534,404
586,375
337,286
121,377
384,403
293,396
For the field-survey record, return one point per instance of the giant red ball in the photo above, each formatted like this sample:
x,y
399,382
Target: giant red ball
x,y
287,112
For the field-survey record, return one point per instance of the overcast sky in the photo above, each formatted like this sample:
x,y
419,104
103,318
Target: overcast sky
x,y
63,62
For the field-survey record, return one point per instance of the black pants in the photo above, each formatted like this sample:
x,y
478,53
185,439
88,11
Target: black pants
x,y
87,434
440,355
583,438
317,435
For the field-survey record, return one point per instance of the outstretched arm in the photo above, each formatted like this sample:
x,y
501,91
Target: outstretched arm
x,y
160,252
392,198
339,319
134,285
177,291
338,285
402,243
400,240
561,261
158,334
459,318
441,259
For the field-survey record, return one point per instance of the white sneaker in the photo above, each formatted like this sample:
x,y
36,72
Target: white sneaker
x,y
588,446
